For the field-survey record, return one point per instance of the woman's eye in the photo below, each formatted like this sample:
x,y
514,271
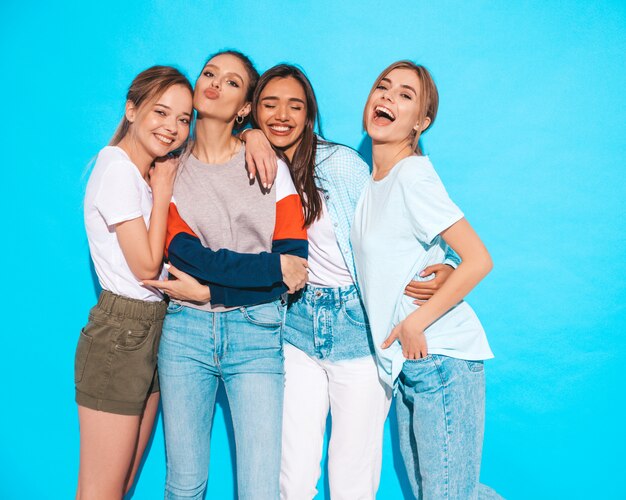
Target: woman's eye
x,y
269,106
185,121
233,84
296,108
406,96
208,73
158,111
381,87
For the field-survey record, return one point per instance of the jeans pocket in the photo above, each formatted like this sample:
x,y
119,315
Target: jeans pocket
x,y
425,359
268,315
355,312
475,366
174,307
82,353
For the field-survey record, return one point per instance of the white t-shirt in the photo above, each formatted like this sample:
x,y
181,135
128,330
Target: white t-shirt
x,y
116,192
394,236
327,267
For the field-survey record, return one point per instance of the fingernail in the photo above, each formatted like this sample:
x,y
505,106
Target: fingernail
x,y
251,176
166,266
422,274
265,185
140,283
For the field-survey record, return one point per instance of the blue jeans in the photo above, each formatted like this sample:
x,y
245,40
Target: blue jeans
x,y
329,324
243,349
441,412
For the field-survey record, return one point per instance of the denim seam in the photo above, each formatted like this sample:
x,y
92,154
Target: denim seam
x,y
444,387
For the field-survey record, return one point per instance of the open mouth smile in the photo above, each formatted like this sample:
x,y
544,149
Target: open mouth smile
x,y
280,129
383,114
164,139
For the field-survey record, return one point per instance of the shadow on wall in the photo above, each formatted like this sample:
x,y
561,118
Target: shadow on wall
x,y
365,150
94,277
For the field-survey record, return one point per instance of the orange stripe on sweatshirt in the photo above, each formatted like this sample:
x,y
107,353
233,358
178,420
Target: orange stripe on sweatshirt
x,y
175,225
289,219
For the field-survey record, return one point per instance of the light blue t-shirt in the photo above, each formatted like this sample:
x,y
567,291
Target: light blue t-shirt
x,y
394,236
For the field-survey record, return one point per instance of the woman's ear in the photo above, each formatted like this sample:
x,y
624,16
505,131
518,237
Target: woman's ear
x,y
420,127
130,111
245,111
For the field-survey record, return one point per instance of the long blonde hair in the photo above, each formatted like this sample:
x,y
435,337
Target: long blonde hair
x,y
429,97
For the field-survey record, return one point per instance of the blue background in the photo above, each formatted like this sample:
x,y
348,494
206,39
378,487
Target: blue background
x,y
529,142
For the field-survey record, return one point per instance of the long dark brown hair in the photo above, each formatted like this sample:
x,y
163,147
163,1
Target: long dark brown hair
x,y
147,87
302,166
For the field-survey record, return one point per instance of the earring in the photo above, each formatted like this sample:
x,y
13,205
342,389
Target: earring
x,y
239,119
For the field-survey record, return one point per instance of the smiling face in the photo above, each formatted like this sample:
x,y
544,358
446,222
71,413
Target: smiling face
x,y
281,113
161,125
221,89
394,110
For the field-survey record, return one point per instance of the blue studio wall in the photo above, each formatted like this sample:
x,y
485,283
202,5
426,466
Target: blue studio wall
x,y
529,141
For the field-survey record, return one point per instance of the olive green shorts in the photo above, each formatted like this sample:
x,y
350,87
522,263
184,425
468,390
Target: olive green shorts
x,y
116,356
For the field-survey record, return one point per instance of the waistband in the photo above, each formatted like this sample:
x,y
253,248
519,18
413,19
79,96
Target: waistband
x,y
336,295
117,305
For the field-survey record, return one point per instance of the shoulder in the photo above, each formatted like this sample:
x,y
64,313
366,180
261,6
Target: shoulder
x,y
336,162
335,155
284,183
416,169
112,160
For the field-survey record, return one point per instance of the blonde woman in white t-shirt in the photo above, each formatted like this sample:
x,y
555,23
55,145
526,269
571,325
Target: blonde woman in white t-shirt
x,y
431,353
126,205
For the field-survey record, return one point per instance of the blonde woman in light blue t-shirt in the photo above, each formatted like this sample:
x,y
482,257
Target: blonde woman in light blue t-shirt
x,y
431,353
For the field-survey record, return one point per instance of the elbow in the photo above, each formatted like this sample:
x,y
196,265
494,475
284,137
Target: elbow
x,y
148,273
487,263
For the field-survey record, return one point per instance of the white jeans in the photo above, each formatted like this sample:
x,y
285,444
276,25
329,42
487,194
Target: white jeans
x,y
358,403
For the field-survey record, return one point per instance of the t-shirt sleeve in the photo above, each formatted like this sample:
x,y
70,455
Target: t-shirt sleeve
x,y
430,208
119,195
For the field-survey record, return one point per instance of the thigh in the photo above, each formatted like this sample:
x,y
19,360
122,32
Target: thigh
x,y
251,339
256,406
359,404
446,418
189,382
304,420
107,446
466,408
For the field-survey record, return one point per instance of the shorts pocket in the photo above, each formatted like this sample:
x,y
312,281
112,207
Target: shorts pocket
x,y
475,366
82,353
355,312
268,315
132,336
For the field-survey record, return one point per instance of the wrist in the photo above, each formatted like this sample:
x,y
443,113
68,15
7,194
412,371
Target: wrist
x,y
414,324
242,134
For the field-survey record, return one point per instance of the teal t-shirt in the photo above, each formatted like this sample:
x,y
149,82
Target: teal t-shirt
x,y
395,235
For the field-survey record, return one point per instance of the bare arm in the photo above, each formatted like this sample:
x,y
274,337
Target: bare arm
x,y
143,247
421,291
182,287
260,157
476,264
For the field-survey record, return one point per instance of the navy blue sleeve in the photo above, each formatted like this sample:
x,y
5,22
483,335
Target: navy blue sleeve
x,y
224,267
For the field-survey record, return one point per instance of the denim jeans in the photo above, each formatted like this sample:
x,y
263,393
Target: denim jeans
x,y
329,324
243,349
440,408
